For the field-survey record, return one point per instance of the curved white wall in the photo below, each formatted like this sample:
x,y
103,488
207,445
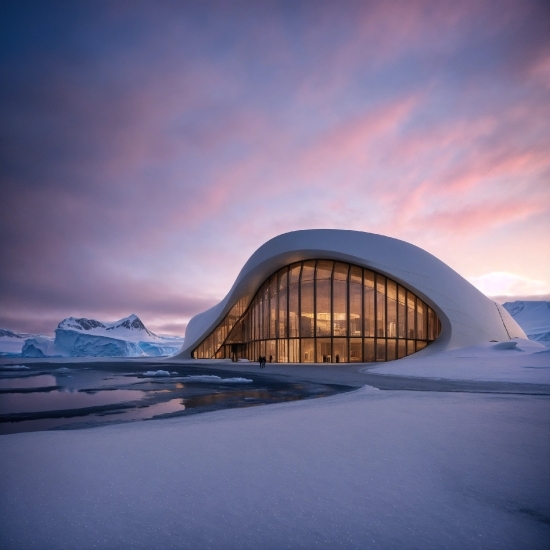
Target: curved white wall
x,y
467,316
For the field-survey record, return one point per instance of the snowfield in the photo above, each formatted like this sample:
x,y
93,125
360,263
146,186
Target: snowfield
x,y
366,469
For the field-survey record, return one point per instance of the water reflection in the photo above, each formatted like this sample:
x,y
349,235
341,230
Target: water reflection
x,y
40,381
63,399
90,397
144,413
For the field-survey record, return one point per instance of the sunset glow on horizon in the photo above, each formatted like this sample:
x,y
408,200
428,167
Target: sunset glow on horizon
x,y
149,148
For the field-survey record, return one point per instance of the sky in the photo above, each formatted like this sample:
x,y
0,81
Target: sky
x,y
149,148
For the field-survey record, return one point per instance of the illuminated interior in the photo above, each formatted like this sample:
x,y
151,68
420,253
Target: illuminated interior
x,y
321,311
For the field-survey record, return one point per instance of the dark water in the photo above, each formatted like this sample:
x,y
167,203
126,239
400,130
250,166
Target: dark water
x,y
46,397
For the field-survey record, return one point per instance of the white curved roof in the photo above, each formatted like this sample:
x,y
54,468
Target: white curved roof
x,y
467,316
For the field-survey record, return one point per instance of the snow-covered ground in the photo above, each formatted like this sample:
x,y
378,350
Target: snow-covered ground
x,y
526,361
367,469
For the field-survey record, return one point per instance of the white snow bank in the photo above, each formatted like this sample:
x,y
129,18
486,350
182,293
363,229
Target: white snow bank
x,y
364,470
156,373
519,360
506,345
15,367
213,378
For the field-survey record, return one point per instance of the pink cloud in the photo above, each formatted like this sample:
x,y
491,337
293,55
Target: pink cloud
x,y
476,218
353,140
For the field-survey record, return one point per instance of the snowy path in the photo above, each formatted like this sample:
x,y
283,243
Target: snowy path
x,y
367,469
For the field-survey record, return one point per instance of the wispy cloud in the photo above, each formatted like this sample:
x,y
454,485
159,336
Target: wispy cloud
x,y
147,152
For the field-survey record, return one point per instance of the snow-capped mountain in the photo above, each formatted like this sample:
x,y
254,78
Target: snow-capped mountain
x,y
130,328
80,337
533,317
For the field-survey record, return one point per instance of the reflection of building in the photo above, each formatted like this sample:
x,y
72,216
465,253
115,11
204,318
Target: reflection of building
x,y
344,296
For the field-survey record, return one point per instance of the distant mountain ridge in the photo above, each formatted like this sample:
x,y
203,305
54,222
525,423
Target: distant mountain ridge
x,y
130,326
533,317
10,334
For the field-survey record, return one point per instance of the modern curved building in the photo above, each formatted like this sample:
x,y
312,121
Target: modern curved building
x,y
326,295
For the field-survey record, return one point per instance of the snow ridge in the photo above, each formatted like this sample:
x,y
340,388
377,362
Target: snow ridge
x,y
130,327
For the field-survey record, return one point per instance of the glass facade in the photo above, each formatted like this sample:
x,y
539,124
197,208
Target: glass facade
x,y
322,311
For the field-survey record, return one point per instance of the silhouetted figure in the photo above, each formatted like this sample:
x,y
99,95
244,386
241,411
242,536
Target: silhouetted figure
x,y
271,358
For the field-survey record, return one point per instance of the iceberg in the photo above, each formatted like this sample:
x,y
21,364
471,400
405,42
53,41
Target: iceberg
x,y
41,346
11,343
80,337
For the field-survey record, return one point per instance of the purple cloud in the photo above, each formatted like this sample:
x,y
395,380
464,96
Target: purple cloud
x,y
149,148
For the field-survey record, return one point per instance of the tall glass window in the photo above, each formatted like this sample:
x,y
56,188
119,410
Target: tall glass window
x,y
282,352
355,350
391,289
369,303
294,350
340,300
282,310
411,315
401,312
265,311
369,355
273,307
307,300
340,350
431,324
420,320
308,350
324,350
380,306
323,290
293,300
356,301
324,311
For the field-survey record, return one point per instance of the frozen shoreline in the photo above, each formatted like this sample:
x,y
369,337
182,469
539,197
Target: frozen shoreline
x,y
367,469
364,469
